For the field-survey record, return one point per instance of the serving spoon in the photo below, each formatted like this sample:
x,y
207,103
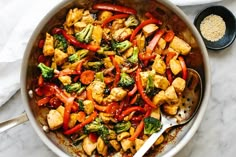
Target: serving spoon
x,y
191,98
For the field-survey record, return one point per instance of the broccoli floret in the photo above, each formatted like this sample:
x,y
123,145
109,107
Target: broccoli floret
x,y
73,87
60,42
78,55
134,58
46,71
95,65
121,127
81,105
102,49
85,35
150,85
131,21
99,76
125,80
151,125
121,46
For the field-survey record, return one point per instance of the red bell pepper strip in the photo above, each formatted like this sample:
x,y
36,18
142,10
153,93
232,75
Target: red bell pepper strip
x,y
137,118
138,131
144,23
129,110
112,108
133,91
144,56
151,46
169,56
72,40
169,36
40,80
67,72
55,102
108,20
67,111
184,67
149,15
141,90
113,7
79,66
117,67
134,99
169,75
81,116
81,125
98,107
43,101
93,137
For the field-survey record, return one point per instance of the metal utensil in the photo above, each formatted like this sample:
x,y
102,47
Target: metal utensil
x,y
191,99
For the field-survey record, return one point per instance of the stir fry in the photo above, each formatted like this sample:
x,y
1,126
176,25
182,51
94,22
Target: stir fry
x,y
105,76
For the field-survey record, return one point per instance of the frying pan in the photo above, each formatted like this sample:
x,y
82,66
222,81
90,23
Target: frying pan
x,y
171,16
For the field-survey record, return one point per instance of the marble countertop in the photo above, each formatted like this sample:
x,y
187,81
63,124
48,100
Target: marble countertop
x,y
214,138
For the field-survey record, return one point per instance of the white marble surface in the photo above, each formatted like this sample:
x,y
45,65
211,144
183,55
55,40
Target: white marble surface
x,y
215,137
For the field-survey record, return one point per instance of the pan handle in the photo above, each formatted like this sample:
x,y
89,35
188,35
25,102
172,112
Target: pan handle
x,y
13,122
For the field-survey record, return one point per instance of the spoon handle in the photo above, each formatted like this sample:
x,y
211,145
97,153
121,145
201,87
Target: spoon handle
x,y
150,141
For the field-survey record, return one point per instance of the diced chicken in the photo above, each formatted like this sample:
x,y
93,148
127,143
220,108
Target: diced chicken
x,y
175,66
73,16
89,146
106,117
121,34
61,110
140,42
115,145
156,113
107,62
138,143
65,80
131,130
104,15
48,48
60,57
122,136
120,60
126,144
88,106
149,29
161,82
179,84
159,65
97,35
54,119
180,45
97,88
117,94
170,109
161,43
159,98
87,17
159,140
70,50
117,24
144,76
73,120
79,26
171,94
54,65
101,147
106,34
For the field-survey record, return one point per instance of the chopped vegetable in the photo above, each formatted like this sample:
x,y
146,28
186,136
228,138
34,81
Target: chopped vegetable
x,y
151,125
121,46
85,35
131,21
78,55
99,76
46,71
122,127
125,80
134,58
73,87
150,85
184,67
95,65
60,42
87,77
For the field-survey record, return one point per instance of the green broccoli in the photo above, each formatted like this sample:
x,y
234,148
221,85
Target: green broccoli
x,y
125,80
134,58
73,87
121,127
85,35
95,65
102,49
60,42
78,55
121,46
81,105
131,21
150,85
46,71
151,125
99,76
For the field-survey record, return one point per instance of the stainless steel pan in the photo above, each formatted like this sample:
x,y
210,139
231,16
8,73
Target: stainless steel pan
x,y
171,15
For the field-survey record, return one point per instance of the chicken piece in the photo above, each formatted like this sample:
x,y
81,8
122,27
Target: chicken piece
x,y
144,76
131,130
170,109
65,80
175,66
122,136
54,65
149,29
180,46
121,34
117,94
73,16
120,60
159,65
161,82
48,47
107,62
54,119
159,140
73,120
60,57
97,35
87,17
70,50
126,144
101,147
103,15
161,43
88,106
141,40
79,26
115,145
117,24
159,98
106,34
89,146
98,89
156,113
106,117
61,110
171,94
179,84
138,143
